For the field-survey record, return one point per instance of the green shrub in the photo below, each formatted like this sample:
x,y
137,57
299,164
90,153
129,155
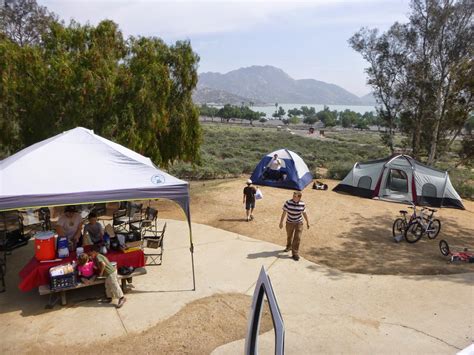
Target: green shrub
x,y
230,151
465,190
339,170
463,181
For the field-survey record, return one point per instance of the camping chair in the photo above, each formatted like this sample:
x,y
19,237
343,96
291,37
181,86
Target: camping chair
x,y
148,225
120,221
154,242
12,227
44,215
135,216
99,209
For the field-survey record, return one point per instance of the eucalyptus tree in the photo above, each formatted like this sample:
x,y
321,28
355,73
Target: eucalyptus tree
x,y
135,91
24,21
418,71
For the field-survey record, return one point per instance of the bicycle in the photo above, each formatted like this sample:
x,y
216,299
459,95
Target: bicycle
x,y
423,225
401,223
457,256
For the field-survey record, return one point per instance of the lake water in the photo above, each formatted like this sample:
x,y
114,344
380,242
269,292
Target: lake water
x,y
269,110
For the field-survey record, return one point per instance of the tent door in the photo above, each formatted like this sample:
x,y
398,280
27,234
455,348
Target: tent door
x,y
396,184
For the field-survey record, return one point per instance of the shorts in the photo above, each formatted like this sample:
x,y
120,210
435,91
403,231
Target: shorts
x,y
249,205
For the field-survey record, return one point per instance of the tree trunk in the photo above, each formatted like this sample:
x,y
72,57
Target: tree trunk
x,y
448,146
434,143
439,115
417,136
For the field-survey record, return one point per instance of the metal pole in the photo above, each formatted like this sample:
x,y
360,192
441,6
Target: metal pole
x,y
191,249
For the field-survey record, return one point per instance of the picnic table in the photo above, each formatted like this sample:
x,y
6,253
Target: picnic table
x,y
35,273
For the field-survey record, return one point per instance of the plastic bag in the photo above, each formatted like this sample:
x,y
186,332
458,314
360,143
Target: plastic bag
x,y
258,194
125,270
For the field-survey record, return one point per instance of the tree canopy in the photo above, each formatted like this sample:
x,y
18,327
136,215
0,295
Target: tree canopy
x,y
135,91
422,74
229,112
24,21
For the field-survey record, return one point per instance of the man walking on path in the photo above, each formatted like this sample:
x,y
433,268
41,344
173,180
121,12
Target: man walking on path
x,y
249,199
294,210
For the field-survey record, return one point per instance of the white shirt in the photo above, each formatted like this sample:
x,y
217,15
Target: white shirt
x,y
275,164
70,225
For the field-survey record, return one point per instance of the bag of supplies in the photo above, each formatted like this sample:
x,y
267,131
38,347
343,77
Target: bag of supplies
x,y
258,194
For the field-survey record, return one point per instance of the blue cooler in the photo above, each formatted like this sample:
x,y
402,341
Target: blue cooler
x,y
63,250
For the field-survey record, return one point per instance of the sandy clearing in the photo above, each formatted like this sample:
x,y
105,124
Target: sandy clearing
x,y
347,232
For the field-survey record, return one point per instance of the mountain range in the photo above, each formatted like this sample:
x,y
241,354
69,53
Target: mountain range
x,y
268,84
205,95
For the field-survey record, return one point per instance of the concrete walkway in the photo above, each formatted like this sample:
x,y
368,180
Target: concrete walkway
x,y
324,310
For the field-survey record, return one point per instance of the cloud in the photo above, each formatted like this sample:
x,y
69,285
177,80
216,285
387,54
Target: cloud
x,y
177,19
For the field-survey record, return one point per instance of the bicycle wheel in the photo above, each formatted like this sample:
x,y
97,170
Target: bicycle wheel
x,y
414,232
398,227
434,229
444,247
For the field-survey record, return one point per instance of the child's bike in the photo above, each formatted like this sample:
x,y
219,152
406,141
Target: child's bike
x,y
423,224
401,224
457,256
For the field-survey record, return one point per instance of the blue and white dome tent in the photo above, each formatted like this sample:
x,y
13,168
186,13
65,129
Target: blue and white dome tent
x,y
294,171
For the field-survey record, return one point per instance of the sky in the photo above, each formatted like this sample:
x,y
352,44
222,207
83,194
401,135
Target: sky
x,y
307,39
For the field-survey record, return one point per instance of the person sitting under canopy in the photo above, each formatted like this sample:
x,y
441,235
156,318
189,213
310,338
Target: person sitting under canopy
x,y
69,225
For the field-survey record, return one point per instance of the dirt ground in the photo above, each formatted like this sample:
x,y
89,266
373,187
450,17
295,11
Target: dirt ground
x,y
348,233
198,328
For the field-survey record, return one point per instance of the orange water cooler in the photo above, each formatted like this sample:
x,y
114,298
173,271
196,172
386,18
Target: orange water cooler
x,y
45,245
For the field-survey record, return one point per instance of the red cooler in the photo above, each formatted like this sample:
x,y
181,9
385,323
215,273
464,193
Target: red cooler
x,y
45,245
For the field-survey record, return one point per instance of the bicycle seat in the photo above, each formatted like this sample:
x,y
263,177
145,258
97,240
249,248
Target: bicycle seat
x,y
403,212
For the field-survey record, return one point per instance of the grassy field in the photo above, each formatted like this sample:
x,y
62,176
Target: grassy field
x,y
230,151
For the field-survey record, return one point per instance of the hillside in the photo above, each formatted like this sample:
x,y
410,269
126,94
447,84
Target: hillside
x,y
369,99
206,95
269,84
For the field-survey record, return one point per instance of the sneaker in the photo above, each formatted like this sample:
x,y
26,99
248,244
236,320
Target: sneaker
x,y
251,217
121,302
248,219
296,257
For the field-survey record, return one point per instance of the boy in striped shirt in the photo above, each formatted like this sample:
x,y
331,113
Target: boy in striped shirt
x,y
294,210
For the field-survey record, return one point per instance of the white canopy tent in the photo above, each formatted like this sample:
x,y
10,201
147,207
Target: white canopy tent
x,y
77,167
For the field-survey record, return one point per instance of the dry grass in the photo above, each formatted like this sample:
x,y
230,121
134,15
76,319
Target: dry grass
x,y
198,328
347,232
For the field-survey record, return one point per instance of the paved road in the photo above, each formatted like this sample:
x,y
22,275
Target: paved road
x,y
325,311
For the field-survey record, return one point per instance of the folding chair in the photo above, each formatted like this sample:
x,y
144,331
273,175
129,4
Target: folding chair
x,y
133,209
12,227
99,209
148,224
154,241
120,221
44,215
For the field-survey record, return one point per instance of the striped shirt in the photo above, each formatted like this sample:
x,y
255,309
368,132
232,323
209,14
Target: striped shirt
x,y
294,211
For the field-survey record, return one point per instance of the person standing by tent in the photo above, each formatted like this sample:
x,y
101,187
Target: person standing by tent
x,y
249,199
294,210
